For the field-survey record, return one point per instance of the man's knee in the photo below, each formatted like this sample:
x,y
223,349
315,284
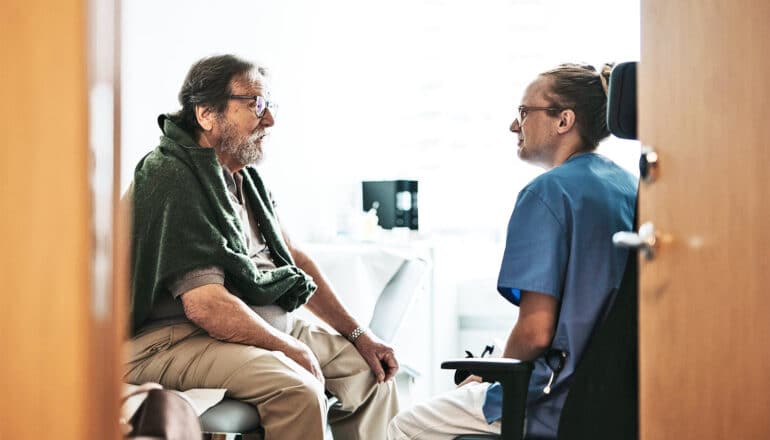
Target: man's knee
x,y
307,395
294,407
386,390
301,391
283,396
357,389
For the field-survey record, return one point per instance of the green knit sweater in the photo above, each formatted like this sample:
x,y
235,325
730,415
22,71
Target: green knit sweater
x,y
183,220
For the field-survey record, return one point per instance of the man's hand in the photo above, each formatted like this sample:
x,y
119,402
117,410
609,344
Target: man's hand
x,y
301,354
379,356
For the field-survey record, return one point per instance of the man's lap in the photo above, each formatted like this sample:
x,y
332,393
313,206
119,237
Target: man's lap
x,y
183,356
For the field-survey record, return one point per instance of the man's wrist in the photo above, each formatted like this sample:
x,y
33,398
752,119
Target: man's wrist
x,y
356,333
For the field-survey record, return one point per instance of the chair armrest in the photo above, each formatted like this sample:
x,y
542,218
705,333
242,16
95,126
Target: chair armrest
x,y
491,369
488,365
513,376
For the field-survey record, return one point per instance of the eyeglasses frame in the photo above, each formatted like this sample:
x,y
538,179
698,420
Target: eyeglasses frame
x,y
528,109
269,105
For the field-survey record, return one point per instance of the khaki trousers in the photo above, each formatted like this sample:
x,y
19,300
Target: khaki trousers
x,y
291,401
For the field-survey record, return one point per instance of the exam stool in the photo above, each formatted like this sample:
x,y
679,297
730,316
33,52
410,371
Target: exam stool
x,y
231,420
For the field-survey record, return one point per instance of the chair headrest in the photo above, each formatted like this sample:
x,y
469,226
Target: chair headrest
x,y
621,104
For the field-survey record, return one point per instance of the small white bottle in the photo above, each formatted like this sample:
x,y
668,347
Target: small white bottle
x,y
371,227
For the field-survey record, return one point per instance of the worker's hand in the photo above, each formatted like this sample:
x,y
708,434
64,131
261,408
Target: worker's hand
x,y
379,356
469,379
301,354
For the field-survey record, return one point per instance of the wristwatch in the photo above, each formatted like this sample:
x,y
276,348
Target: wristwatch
x,y
356,333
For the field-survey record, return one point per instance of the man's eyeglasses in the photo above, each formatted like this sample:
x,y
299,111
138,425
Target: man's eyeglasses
x,y
524,110
260,104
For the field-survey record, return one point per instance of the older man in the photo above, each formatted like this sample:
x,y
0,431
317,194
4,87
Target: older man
x,y
215,278
559,266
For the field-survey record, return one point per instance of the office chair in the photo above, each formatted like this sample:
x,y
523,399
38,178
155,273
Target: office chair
x,y
603,399
234,420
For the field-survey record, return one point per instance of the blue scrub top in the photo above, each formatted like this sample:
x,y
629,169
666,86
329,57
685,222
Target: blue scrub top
x,y
560,243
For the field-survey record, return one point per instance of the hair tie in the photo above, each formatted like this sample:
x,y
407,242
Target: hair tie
x,y
604,83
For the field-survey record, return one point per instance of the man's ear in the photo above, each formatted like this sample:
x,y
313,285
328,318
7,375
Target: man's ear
x,y
205,116
566,121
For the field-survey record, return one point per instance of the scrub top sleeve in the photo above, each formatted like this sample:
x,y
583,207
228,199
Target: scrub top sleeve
x,y
536,250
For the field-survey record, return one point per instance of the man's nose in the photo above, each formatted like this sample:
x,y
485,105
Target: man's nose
x,y
515,126
267,119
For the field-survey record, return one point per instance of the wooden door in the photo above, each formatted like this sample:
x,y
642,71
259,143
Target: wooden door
x,y
705,298
60,322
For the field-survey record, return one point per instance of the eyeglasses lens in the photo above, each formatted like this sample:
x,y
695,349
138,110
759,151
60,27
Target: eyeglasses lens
x,y
261,106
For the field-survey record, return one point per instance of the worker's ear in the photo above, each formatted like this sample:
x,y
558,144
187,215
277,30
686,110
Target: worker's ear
x,y
566,121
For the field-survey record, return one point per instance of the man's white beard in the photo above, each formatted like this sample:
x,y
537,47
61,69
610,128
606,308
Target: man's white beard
x,y
246,151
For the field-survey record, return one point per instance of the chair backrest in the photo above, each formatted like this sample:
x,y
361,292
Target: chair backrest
x,y
603,401
621,101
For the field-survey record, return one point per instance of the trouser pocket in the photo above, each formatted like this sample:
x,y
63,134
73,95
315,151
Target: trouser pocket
x,y
146,344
